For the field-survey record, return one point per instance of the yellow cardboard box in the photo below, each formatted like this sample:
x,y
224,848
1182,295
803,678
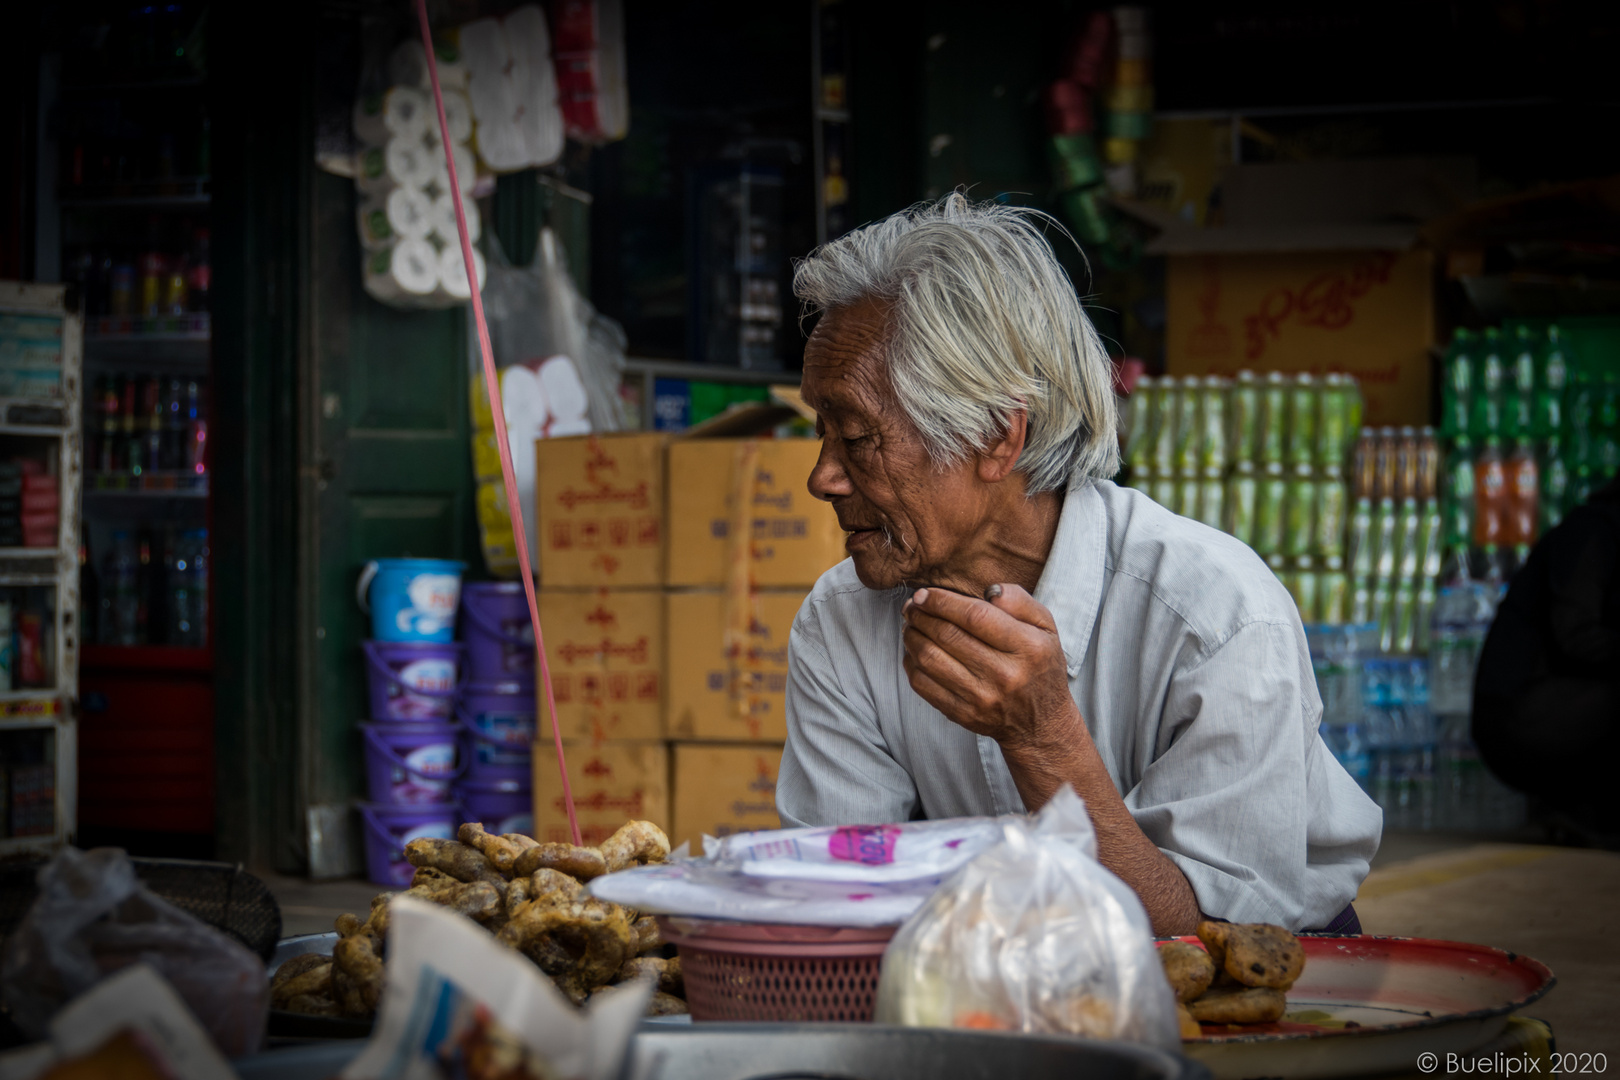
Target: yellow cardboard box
x,y
730,694
1369,313
613,782
599,501
720,790
605,648
794,538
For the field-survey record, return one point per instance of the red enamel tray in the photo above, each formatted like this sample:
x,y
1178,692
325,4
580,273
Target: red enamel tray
x,y
1366,1005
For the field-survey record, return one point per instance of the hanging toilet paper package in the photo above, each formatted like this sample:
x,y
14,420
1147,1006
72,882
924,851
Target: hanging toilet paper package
x,y
400,112
513,90
406,274
453,272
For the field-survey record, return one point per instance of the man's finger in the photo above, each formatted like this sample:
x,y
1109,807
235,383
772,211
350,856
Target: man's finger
x,y
980,619
940,697
1015,601
975,655
946,669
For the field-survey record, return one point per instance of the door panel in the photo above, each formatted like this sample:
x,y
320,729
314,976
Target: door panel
x,y
387,472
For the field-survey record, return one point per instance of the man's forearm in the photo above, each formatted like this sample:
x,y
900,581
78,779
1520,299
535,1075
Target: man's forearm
x,y
1163,889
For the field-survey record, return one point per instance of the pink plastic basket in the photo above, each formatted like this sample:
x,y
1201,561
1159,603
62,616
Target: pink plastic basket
x,y
770,971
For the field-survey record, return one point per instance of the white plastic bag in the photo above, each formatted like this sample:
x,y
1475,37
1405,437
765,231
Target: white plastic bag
x,y
846,875
93,917
1033,935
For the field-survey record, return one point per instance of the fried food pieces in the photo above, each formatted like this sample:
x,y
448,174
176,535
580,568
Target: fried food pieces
x,y
1239,977
1254,954
1189,969
530,895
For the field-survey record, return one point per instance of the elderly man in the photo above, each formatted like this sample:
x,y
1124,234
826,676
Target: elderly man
x,y
1010,621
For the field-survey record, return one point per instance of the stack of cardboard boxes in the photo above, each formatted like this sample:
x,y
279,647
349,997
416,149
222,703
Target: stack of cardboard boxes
x,y
671,569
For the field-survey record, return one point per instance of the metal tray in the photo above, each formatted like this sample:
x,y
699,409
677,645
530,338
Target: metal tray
x,y
820,1052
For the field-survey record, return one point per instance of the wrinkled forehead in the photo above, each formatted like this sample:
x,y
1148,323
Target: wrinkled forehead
x,y
845,370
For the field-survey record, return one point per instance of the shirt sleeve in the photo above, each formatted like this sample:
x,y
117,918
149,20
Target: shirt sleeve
x,y
836,769
1246,799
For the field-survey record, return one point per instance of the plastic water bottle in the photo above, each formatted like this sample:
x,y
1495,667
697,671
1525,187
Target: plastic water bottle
x,y
1424,751
188,590
121,598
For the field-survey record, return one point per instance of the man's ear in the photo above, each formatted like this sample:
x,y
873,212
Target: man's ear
x,y
997,461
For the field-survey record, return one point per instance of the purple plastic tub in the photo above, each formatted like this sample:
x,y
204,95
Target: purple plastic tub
x,y
501,808
412,680
495,627
389,828
497,723
410,763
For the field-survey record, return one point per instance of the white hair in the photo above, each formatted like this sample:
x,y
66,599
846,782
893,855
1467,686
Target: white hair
x,y
983,323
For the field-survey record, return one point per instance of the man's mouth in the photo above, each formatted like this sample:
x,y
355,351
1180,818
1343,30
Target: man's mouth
x,y
859,537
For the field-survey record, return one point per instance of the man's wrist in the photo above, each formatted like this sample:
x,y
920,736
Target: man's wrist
x,y
1051,745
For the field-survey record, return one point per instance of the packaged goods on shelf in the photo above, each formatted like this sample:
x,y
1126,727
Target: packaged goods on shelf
x,y
721,790
726,677
611,782
606,654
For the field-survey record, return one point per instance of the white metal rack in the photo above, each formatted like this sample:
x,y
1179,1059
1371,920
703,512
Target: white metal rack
x,y
50,419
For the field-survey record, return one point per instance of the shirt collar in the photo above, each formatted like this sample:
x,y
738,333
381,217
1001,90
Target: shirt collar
x,y
1070,586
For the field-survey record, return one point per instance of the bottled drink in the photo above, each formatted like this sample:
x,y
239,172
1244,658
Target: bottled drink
x,y
153,416
1428,463
1211,498
1456,383
1361,601
1385,536
1383,613
1163,488
110,456
188,590
1300,580
1485,406
1520,385
1141,412
130,459
1490,495
1386,466
198,276
1243,418
1522,499
1186,497
1364,465
1404,604
1163,452
1408,556
1430,535
1547,403
1299,513
1457,494
1188,431
1268,510
1327,532
1303,408
1333,430
1582,421
121,601
1212,424
1273,417
1423,617
1242,494
1332,592
1406,463
1555,486
1362,542
196,456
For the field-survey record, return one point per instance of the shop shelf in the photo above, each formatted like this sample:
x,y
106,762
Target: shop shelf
x,y
153,486
146,658
134,202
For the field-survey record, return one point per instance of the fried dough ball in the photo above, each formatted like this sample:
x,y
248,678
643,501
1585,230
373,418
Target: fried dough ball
x,y
314,1005
347,994
501,851
1238,1005
1184,1020
1189,968
359,958
454,858
478,900
546,882
428,877
663,1004
667,972
647,937
346,925
1254,954
600,931
637,843
297,966
580,863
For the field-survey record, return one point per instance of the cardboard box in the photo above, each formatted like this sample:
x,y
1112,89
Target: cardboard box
x,y
794,538
613,782
1369,313
606,652
735,694
599,505
720,790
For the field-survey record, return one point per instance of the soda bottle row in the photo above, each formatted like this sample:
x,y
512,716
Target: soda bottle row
x,y
1212,422
1390,540
166,277
1509,385
1320,587
1395,463
152,588
1291,511
147,424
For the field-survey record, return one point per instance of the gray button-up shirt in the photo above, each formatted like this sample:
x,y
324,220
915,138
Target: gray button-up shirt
x,y
1189,664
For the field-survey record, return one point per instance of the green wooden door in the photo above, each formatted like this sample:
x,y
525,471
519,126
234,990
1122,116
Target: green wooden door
x,y
386,472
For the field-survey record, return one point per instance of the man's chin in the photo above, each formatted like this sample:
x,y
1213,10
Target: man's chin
x,y
875,572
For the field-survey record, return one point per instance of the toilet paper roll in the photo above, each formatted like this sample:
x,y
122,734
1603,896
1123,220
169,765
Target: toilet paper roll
x,y
409,162
401,112
444,217
453,275
466,170
410,213
414,266
536,113
376,233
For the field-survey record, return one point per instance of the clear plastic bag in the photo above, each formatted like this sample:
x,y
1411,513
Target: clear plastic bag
x,y
93,917
1033,935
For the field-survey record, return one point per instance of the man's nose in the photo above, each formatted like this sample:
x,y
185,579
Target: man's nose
x,y
829,480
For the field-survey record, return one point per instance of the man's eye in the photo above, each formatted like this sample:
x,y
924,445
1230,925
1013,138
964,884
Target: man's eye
x,y
856,440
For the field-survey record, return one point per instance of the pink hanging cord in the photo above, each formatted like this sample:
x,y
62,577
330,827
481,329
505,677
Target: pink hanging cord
x,y
492,384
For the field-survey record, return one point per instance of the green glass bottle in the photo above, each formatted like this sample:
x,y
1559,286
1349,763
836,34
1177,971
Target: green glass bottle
x,y
1485,404
1456,383
1552,376
1520,385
